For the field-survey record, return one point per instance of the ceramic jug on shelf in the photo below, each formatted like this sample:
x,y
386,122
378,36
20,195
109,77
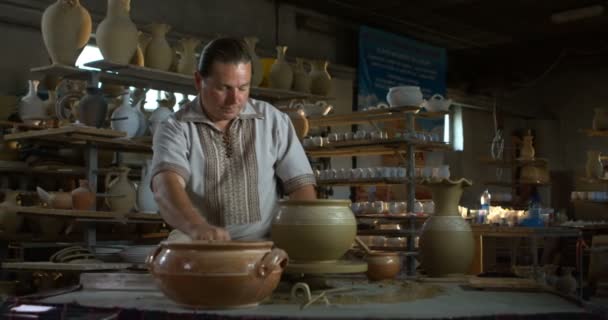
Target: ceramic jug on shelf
x,y
10,221
125,118
281,74
187,61
82,197
527,151
138,58
594,167
301,78
320,80
159,55
145,197
121,193
164,111
66,28
116,35
92,108
257,70
31,107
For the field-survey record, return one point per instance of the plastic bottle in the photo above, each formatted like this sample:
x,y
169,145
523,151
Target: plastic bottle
x,y
534,209
485,206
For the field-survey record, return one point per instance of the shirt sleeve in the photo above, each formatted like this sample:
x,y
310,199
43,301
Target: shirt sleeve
x,y
170,147
292,165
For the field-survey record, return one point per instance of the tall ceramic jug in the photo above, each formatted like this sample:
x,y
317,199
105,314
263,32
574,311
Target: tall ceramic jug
x,y
145,197
527,151
320,80
301,78
594,167
164,111
159,54
66,28
117,35
446,240
187,62
10,221
31,107
122,195
93,107
82,197
281,75
125,118
257,71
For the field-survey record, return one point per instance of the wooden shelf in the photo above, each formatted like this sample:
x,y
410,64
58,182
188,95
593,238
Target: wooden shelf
x,y
511,184
77,237
65,266
87,214
596,133
515,162
77,135
505,231
377,115
373,147
361,182
65,170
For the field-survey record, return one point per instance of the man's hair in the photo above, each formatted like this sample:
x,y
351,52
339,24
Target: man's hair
x,y
224,50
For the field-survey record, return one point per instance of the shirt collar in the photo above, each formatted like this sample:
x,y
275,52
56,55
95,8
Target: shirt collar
x,y
193,112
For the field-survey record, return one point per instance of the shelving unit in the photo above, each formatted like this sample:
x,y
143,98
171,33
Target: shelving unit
x,y
403,147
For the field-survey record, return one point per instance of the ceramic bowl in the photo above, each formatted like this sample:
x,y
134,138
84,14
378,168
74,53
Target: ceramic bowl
x,y
217,275
317,230
382,265
404,96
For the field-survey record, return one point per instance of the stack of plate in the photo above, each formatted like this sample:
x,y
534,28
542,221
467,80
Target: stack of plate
x,y
136,254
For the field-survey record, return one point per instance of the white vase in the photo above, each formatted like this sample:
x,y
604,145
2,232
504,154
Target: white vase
x,y
159,54
257,71
117,35
187,61
123,194
281,75
141,118
66,28
125,118
301,78
164,111
31,107
145,196
320,78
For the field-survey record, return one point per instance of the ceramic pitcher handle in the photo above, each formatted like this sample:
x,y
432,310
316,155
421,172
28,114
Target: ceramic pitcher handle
x,y
152,256
271,261
436,96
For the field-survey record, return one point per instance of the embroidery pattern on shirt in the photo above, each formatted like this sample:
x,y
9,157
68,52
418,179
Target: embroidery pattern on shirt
x,y
231,174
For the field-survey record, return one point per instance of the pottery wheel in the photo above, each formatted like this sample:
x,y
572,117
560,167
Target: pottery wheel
x,y
334,267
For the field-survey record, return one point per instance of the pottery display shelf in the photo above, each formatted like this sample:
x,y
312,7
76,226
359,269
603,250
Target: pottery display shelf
x,y
65,170
362,182
131,75
596,133
123,217
515,162
373,147
75,135
66,266
517,183
371,116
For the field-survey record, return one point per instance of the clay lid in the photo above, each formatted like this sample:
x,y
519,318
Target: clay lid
x,y
217,245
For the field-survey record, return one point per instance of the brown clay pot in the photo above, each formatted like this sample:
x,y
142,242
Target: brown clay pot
x,y
205,274
82,197
382,265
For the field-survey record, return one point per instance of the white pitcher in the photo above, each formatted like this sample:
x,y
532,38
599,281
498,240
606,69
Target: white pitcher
x,y
145,197
125,118
257,71
66,27
187,61
281,74
159,54
31,107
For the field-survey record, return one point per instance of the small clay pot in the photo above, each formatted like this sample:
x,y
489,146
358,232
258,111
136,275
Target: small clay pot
x,y
82,197
382,265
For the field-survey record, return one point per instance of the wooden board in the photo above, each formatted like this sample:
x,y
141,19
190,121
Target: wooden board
x,y
85,214
118,281
43,265
503,283
69,129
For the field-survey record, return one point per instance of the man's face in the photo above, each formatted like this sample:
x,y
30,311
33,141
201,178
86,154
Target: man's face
x,y
225,91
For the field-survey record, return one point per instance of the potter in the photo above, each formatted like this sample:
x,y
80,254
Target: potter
x,y
218,162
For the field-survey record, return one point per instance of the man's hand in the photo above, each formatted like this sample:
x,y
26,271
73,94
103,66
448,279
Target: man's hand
x,y
207,231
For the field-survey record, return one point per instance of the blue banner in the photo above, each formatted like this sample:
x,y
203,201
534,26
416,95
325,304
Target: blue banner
x,y
388,60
